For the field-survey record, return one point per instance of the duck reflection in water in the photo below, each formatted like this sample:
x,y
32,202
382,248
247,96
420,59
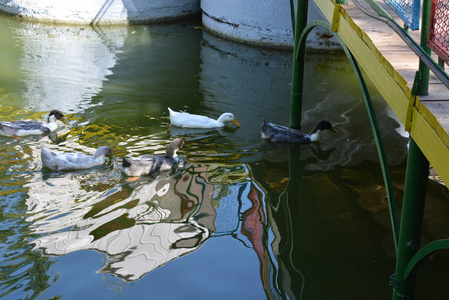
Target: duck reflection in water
x,y
201,133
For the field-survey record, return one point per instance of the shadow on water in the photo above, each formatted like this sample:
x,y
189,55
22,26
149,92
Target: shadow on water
x,y
239,218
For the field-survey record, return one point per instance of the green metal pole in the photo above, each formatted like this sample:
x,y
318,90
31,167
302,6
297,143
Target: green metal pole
x,y
298,65
292,13
415,187
411,220
423,86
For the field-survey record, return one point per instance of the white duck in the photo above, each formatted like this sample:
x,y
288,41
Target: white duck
x,y
58,161
186,120
30,127
148,164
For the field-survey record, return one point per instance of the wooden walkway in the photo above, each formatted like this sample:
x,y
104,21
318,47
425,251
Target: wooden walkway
x,y
391,65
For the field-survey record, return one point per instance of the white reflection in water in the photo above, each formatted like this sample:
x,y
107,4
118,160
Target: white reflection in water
x,y
155,223
65,66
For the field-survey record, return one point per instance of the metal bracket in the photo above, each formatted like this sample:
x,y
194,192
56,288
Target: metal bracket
x,y
412,102
394,281
336,17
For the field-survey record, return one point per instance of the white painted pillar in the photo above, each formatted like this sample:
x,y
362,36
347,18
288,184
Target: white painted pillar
x,y
265,23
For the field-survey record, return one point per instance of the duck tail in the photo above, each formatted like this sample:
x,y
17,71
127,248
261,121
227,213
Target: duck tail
x,y
45,154
126,163
170,113
264,125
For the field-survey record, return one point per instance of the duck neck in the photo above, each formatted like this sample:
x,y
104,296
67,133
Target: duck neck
x,y
171,153
314,135
221,121
51,123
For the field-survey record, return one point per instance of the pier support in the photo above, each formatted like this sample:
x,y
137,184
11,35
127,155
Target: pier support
x,y
416,176
411,221
299,53
423,85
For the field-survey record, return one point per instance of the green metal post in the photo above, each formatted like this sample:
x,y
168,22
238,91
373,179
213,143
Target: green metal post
x,y
415,187
423,86
292,13
411,220
298,65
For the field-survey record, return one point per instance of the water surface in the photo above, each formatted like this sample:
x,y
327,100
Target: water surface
x,y
238,218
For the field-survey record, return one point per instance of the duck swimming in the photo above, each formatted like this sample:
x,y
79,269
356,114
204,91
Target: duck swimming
x,y
29,127
148,164
73,161
186,120
278,133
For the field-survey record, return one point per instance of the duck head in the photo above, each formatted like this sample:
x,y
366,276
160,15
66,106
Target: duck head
x,y
227,117
323,125
174,146
54,115
103,151
320,126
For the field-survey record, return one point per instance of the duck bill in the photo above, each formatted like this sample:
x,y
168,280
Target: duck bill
x,y
235,122
334,130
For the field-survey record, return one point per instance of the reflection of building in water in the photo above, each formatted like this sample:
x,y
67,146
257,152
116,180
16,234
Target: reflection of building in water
x,y
64,67
155,223
145,226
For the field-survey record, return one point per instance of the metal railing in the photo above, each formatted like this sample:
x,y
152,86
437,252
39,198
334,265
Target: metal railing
x,y
439,29
407,10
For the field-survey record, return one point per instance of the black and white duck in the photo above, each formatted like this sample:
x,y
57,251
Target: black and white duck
x,y
283,134
58,161
186,120
30,127
149,164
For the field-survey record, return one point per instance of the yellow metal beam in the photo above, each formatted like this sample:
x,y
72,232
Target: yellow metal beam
x,y
430,142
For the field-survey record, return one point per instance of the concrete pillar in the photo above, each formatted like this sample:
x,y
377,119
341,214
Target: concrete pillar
x,y
267,23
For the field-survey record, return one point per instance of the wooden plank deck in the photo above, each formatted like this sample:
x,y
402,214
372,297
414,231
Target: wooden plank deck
x,y
391,66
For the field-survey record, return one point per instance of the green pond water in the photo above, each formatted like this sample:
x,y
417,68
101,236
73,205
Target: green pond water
x,y
239,218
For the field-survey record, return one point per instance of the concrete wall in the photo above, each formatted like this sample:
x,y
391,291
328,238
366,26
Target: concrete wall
x,y
101,11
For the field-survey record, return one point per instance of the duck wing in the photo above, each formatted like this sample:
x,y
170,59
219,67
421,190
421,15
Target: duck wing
x,y
146,164
278,133
52,160
186,120
21,128
67,161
